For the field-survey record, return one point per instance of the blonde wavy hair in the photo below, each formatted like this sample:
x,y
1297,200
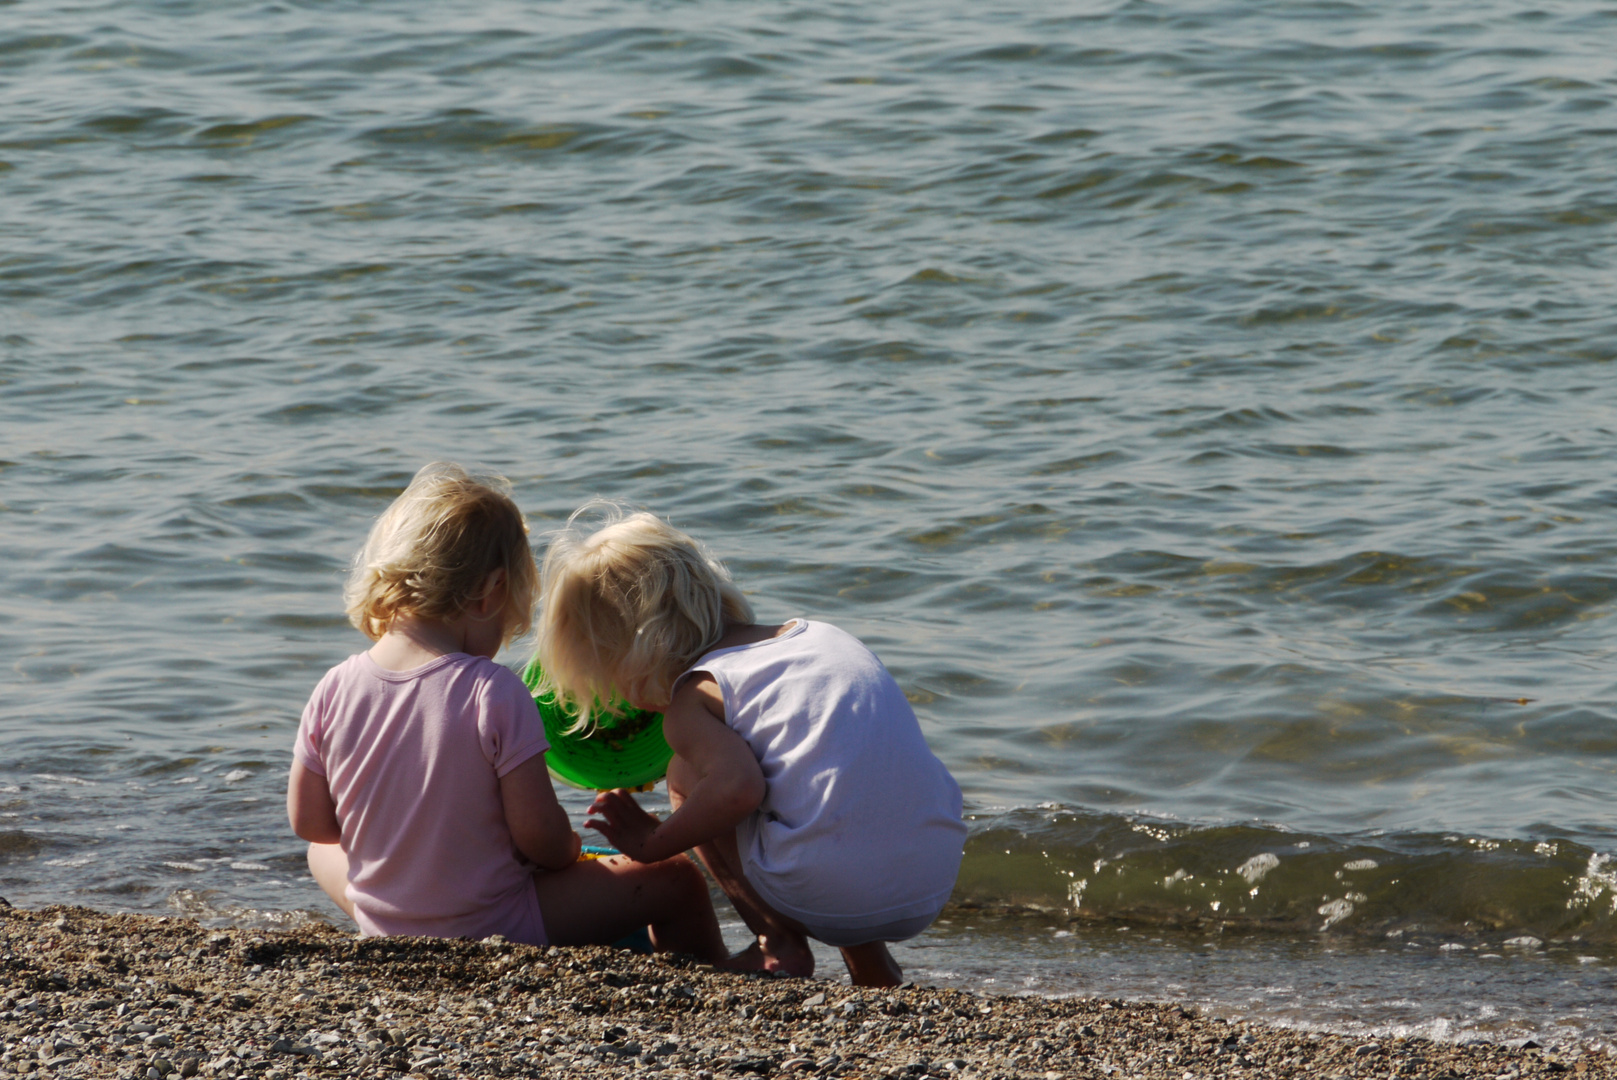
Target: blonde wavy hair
x,y
430,554
626,609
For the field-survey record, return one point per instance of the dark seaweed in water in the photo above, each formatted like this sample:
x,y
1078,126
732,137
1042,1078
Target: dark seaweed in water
x,y
617,728
614,727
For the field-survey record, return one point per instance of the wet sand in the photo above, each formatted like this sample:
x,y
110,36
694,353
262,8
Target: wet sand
x,y
83,993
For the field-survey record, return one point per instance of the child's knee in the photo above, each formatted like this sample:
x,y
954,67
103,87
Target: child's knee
x,y
683,872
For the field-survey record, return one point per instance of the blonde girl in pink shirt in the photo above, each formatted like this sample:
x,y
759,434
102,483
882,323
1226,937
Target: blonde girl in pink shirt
x,y
418,774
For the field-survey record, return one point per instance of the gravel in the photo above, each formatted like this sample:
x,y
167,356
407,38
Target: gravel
x,y
84,993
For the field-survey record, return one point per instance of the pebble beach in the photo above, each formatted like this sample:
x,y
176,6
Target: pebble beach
x,y
89,994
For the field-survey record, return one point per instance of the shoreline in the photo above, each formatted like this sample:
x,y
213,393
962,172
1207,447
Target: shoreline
x,y
86,993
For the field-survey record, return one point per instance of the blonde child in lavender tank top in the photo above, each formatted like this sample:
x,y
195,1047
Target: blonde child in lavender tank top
x,y
800,775
419,776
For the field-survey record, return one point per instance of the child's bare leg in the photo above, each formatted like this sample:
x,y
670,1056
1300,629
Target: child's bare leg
x,y
872,965
329,865
782,943
599,901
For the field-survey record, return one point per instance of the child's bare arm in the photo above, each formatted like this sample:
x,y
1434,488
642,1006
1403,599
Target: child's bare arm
x,y
730,783
310,808
538,824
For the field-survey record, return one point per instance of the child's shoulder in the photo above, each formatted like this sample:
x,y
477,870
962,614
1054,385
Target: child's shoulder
x,y
800,644
492,677
362,669
829,636
467,670
796,634
344,671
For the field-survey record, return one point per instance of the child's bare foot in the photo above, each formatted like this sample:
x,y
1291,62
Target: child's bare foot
x,y
872,965
774,952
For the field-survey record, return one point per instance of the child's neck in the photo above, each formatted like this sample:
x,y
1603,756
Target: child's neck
x,y
411,642
748,634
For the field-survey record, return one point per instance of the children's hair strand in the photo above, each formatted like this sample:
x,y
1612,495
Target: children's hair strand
x,y
627,608
431,552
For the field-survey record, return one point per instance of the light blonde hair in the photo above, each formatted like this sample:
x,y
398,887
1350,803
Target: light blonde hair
x,y
430,554
627,608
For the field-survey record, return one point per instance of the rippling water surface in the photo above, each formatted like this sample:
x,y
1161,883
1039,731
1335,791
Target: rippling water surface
x,y
1206,410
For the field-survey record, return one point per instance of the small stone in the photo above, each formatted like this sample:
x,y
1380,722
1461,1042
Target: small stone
x,y
814,1001
160,1041
1367,1049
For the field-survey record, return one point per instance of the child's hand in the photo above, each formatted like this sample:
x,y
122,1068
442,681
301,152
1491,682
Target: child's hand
x,y
627,827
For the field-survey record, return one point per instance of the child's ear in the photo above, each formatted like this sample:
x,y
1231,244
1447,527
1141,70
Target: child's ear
x,y
494,594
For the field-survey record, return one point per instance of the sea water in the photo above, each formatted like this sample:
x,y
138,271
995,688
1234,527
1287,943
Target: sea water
x,y
1205,409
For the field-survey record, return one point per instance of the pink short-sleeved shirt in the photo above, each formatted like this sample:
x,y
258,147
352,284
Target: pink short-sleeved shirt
x,y
413,760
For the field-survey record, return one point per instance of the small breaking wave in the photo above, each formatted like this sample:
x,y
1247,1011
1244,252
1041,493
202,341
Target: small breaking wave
x,y
1095,867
